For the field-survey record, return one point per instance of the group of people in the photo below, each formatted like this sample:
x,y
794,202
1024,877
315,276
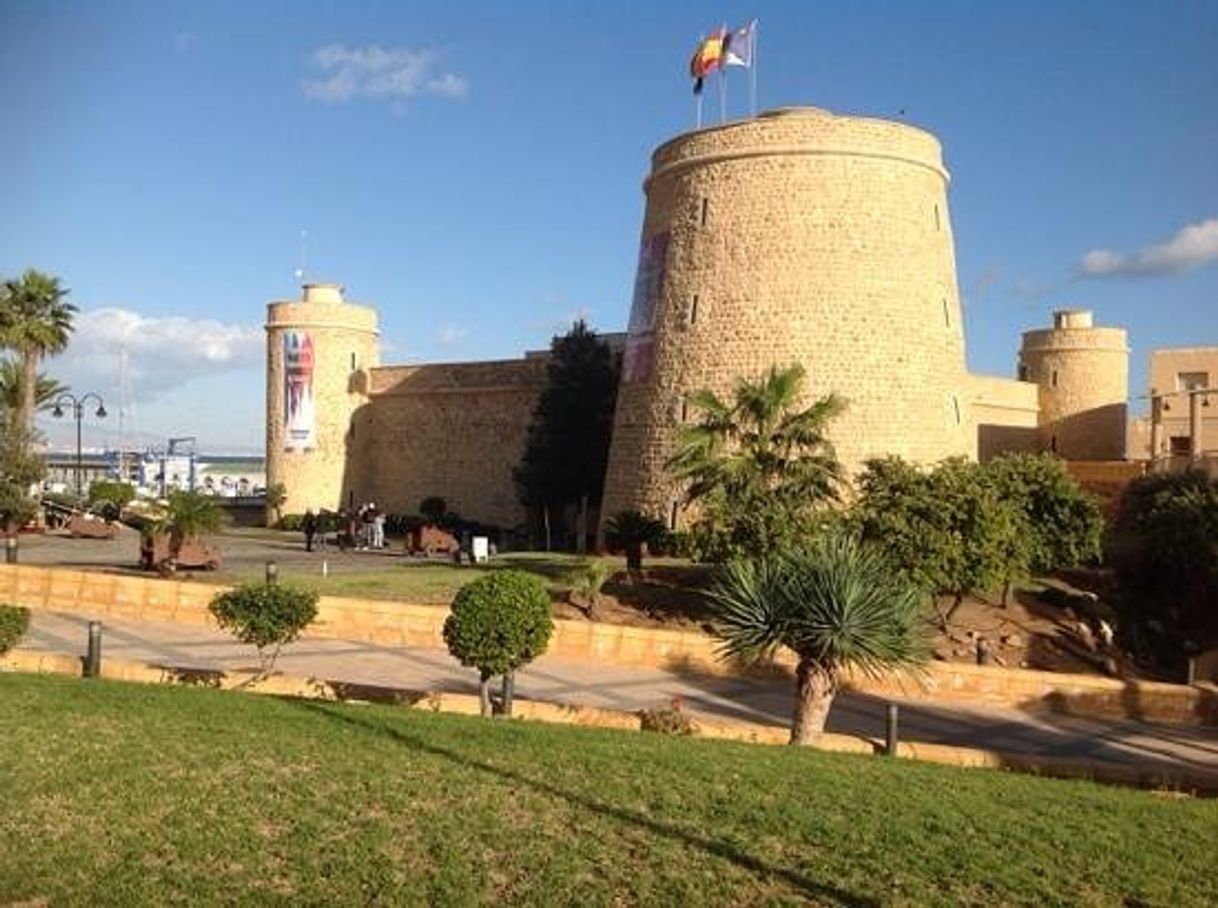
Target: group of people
x,y
361,529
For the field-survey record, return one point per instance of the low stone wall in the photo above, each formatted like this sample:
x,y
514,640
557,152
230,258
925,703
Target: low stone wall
x,y
405,624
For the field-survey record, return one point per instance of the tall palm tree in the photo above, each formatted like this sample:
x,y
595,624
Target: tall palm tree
x,y
35,321
759,460
46,389
836,602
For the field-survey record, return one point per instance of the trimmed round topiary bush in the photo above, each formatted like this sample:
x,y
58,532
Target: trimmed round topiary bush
x,y
266,615
500,622
14,622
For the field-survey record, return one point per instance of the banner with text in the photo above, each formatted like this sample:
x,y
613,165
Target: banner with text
x,y
298,407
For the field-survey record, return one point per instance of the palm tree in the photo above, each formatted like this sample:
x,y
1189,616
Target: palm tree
x,y
834,601
758,463
35,321
46,390
630,531
188,515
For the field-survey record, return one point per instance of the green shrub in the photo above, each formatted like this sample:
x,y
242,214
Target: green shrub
x,y
667,720
1061,522
679,544
17,508
1164,547
291,522
945,529
433,508
500,622
104,491
265,615
14,622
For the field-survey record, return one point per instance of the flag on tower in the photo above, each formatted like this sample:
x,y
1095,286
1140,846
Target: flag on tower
x,y
737,49
707,58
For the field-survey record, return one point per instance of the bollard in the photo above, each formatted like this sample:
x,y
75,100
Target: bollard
x,y
325,568
93,656
10,549
890,736
272,573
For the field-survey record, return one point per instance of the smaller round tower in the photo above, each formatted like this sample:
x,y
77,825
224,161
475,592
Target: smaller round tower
x,y
316,346
1083,374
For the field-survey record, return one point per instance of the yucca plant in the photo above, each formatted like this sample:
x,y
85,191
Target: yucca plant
x,y
586,580
834,601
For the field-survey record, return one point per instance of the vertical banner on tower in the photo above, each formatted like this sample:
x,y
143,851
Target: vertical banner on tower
x,y
648,285
298,362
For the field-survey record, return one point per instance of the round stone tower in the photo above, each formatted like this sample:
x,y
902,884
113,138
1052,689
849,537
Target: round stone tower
x,y
1083,375
316,349
799,236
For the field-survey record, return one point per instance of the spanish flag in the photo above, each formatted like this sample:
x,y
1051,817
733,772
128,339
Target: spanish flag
x,y
707,58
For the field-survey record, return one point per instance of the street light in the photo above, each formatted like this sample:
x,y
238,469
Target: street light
x,y
78,410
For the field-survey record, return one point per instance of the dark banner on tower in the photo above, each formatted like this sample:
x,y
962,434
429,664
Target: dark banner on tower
x,y
298,362
648,285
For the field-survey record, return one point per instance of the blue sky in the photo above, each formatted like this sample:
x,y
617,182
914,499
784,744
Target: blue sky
x,y
475,169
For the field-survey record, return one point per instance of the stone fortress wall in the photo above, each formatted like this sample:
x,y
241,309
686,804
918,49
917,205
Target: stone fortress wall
x,y
454,430
1082,373
345,340
797,236
804,237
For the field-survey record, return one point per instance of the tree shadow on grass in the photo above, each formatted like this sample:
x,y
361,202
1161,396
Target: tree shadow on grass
x,y
809,887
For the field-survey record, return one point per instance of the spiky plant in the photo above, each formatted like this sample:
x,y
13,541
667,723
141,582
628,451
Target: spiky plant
x,y
835,602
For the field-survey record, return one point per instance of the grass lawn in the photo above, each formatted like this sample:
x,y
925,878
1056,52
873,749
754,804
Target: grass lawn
x,y
414,579
669,593
124,794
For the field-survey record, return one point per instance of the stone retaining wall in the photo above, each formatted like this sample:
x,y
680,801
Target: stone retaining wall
x,y
405,624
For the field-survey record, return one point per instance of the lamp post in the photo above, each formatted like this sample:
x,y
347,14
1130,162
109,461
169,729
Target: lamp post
x,y
78,410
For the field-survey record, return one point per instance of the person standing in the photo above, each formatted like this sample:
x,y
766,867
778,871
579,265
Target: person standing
x,y
378,527
309,525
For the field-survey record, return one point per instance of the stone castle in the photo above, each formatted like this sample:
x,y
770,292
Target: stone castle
x,y
795,236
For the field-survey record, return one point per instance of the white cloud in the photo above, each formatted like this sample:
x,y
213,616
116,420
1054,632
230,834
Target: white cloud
x,y
450,333
1191,247
162,352
373,71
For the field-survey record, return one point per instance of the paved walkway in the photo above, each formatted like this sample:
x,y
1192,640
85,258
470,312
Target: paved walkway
x,y
630,689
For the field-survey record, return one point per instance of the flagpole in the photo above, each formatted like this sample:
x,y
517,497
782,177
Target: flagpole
x,y
753,68
722,96
698,107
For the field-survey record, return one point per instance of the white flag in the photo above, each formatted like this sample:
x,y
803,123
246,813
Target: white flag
x,y
738,46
